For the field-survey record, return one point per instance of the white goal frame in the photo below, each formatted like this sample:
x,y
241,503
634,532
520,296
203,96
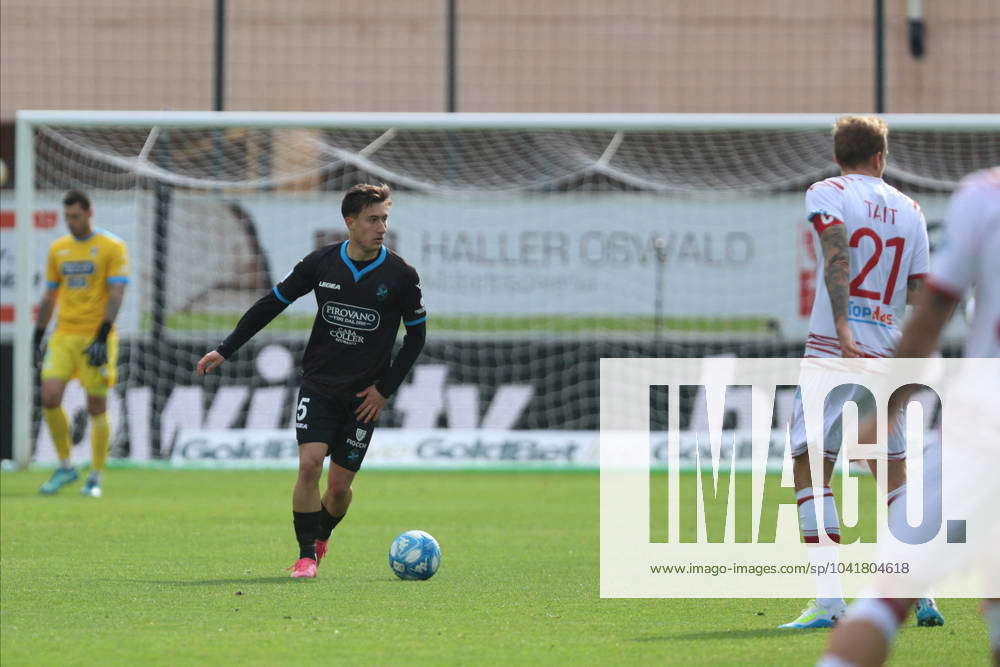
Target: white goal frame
x,y
28,121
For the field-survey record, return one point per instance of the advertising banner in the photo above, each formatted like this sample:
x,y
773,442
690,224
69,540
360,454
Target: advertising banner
x,y
496,386
398,448
553,255
509,387
442,449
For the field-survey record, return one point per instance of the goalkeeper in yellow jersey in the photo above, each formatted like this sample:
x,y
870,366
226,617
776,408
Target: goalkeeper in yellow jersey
x,y
86,274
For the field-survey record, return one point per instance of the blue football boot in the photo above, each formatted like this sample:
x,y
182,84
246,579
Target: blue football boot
x,y
60,478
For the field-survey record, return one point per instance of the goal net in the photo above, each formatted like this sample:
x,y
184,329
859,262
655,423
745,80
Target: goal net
x,y
543,242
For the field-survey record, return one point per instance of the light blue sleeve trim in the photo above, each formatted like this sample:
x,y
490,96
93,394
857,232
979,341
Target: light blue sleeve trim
x,y
413,323
118,279
52,285
280,298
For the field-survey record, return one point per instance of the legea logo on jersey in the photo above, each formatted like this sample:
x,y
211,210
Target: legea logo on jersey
x,y
77,268
858,312
352,317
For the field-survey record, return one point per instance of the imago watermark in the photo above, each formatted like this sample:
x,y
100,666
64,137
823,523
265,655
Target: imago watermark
x,y
726,477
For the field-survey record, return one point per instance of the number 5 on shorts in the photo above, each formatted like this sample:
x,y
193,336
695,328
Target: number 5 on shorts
x,y
300,411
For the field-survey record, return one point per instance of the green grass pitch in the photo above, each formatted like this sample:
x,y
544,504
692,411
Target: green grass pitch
x,y
187,568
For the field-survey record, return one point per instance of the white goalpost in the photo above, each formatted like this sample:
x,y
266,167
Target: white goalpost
x,y
543,241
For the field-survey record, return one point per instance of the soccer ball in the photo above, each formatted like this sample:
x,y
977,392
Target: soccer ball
x,y
414,555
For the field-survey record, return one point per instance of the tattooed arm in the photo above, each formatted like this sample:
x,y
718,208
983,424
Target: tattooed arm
x,y
837,276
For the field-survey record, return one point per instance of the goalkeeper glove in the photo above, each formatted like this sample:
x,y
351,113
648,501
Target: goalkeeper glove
x,y
97,351
38,347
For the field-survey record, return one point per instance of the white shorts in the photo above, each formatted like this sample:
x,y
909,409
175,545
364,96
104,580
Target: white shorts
x,y
832,423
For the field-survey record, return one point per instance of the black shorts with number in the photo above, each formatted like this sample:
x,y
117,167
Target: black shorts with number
x,y
321,417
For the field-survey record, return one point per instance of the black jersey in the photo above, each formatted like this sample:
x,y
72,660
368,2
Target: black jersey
x,y
359,314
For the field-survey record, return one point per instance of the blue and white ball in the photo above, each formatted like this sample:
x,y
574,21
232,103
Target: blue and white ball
x,y
414,555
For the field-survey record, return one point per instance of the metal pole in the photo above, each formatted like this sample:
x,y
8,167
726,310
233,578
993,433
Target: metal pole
x,y
660,247
22,382
451,103
219,93
451,94
219,97
915,18
162,201
879,56
162,194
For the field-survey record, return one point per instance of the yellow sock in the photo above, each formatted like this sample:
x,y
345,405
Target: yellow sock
x,y
59,429
100,440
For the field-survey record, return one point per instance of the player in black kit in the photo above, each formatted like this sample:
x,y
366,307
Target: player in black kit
x,y
363,291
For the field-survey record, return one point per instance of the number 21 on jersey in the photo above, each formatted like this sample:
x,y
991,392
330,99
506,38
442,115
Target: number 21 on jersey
x,y
896,245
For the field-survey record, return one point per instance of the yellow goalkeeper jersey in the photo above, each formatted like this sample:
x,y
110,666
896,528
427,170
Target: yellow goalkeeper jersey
x,y
82,270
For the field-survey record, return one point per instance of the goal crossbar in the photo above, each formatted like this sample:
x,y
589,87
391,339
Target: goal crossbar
x,y
496,121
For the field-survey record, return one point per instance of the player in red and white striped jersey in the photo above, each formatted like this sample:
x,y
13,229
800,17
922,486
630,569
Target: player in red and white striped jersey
x,y
967,260
874,255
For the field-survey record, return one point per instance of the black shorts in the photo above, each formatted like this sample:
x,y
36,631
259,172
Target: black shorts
x,y
330,419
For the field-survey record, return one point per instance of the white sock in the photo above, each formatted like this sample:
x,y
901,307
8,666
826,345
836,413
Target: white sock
x,y
65,464
831,520
897,499
823,558
829,592
879,613
897,505
95,476
834,661
807,514
808,522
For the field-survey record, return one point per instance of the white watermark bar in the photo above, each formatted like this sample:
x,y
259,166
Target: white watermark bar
x,y
728,529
